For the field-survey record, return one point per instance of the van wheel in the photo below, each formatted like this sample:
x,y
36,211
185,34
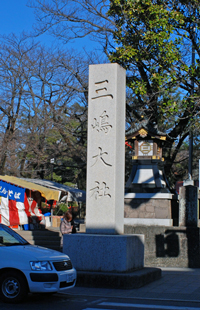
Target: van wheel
x,y
13,287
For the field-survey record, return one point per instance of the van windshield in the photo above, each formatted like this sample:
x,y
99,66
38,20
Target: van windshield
x,y
9,237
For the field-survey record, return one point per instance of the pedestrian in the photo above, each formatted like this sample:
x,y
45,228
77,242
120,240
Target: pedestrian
x,y
66,226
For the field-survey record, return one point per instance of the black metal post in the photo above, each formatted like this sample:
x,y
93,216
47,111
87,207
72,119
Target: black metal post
x,y
191,133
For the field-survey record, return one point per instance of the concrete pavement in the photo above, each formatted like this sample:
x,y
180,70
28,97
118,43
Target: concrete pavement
x,y
175,284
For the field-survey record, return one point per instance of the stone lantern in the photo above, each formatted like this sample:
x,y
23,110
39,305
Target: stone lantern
x,y
148,198
147,175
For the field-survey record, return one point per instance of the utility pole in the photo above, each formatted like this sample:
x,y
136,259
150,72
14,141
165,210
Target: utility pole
x,y
191,133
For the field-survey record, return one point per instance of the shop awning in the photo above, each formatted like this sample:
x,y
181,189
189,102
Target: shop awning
x,y
48,193
74,194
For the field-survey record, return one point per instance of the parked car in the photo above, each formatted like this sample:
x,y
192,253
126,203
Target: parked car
x,y
28,268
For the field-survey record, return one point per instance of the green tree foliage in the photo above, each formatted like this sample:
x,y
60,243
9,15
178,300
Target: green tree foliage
x,y
154,42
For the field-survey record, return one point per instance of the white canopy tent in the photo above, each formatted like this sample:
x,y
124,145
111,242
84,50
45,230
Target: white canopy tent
x,y
73,194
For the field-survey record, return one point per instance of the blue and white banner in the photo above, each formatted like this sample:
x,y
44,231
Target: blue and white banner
x,y
16,193
13,192
3,189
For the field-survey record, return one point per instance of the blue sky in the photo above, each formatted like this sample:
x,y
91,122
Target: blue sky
x,y
16,17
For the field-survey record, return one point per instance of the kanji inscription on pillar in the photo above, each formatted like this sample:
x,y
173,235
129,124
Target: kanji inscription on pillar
x,y
106,149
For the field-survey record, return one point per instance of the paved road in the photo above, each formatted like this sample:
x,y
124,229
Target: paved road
x,y
178,289
175,284
83,302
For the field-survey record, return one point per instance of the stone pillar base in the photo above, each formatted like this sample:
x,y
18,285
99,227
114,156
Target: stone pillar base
x,y
126,280
105,253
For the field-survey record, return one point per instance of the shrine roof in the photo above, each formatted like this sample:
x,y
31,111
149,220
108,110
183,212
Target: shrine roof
x,y
149,127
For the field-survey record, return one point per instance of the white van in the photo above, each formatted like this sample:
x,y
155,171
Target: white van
x,y
27,268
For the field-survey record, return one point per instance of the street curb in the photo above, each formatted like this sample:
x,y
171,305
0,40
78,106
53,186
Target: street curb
x,y
129,280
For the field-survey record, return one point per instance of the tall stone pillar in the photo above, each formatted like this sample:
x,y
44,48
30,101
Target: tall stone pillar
x,y
106,149
104,247
188,206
